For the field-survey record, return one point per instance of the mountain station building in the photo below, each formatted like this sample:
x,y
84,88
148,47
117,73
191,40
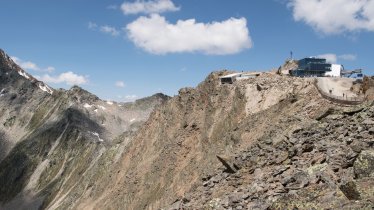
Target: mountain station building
x,y
316,67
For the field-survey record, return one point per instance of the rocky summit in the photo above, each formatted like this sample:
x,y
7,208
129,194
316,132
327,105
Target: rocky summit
x,y
267,141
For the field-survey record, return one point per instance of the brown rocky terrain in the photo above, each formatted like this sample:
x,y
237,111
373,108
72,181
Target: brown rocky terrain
x,y
325,164
261,129
368,87
287,67
270,142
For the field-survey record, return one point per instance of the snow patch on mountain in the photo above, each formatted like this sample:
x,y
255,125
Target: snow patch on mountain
x,y
86,105
22,73
45,88
97,135
2,92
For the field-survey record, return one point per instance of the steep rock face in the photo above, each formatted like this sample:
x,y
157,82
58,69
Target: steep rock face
x,y
287,67
178,146
56,144
17,91
322,164
368,87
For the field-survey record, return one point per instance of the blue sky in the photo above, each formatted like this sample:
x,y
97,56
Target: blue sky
x,y
122,50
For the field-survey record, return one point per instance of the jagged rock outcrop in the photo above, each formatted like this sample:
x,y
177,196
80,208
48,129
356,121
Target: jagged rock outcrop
x,y
368,87
323,165
287,67
364,164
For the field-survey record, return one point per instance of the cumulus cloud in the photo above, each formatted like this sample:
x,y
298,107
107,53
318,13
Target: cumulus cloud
x,y
148,7
68,78
330,58
92,25
28,65
120,84
50,69
109,30
156,35
335,16
333,58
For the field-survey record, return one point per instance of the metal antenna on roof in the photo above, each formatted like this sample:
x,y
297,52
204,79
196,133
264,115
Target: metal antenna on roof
x,y
291,55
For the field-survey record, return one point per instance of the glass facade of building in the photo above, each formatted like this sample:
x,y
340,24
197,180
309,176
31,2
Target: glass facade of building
x,y
311,67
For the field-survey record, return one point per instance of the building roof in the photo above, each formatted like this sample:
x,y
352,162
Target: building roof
x,y
231,75
242,74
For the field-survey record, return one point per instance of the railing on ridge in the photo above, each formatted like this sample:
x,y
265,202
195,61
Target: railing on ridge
x,y
339,99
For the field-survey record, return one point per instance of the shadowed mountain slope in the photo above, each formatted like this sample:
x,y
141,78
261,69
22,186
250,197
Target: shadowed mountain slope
x,y
56,143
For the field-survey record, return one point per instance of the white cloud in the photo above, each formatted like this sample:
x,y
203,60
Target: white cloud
x,y
92,25
109,30
105,29
50,69
335,16
68,78
120,84
333,58
148,7
330,58
28,65
155,35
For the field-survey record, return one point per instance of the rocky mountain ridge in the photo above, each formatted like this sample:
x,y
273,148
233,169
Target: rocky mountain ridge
x,y
252,145
269,142
8,64
49,139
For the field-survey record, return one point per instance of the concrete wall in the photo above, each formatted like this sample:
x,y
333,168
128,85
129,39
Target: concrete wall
x,y
336,70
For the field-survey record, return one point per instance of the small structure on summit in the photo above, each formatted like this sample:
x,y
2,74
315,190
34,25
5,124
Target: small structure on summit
x,y
319,67
231,78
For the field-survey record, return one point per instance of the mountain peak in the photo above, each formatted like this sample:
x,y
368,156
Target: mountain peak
x,y
82,95
5,59
8,67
